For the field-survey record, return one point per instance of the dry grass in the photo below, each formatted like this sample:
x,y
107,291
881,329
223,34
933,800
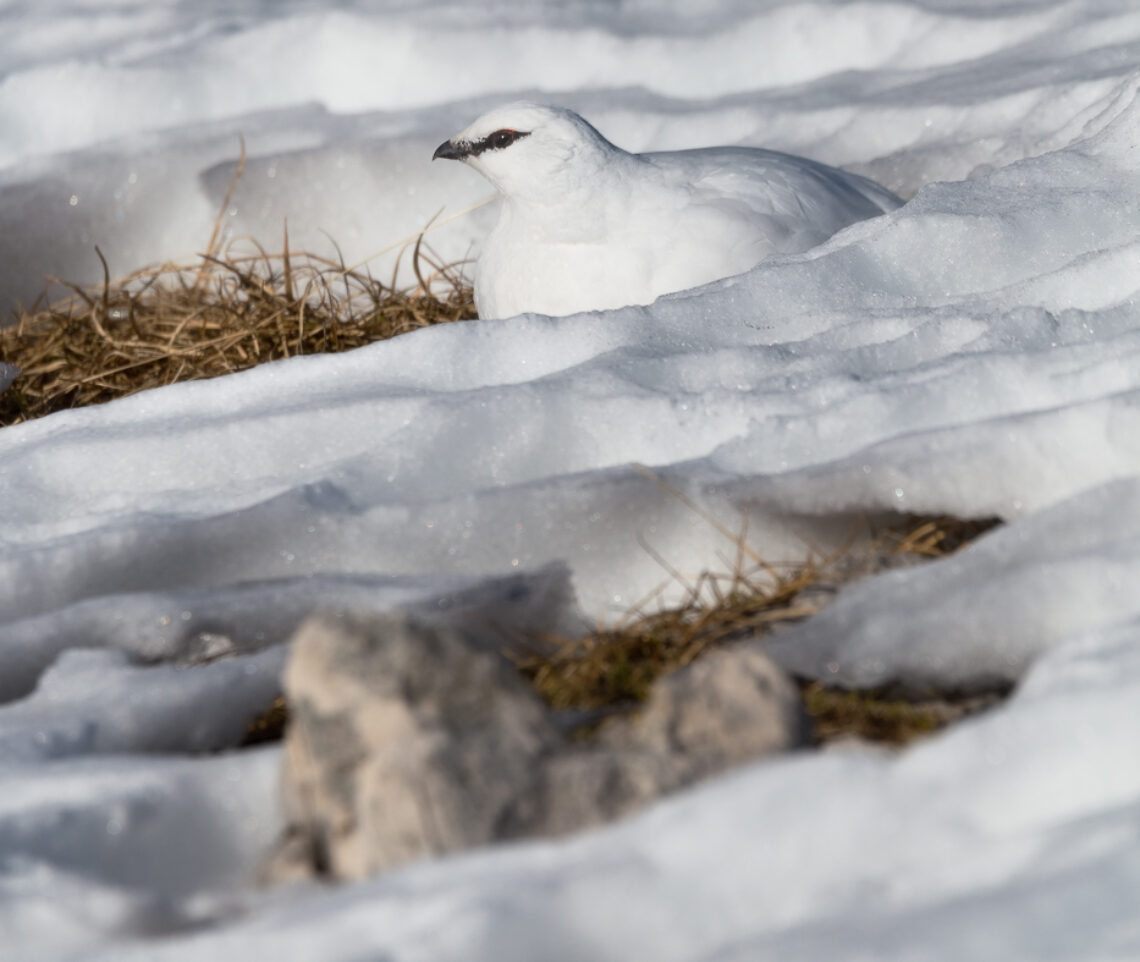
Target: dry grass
x,y
269,726
883,718
226,313
223,312
615,666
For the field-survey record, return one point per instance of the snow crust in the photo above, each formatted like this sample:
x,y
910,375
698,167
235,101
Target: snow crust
x,y
976,352
1014,836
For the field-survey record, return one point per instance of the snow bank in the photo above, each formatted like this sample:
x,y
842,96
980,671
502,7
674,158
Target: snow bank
x,y
977,353
102,847
1015,836
481,449
1032,586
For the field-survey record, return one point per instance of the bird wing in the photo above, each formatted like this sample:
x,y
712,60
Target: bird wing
x,y
794,201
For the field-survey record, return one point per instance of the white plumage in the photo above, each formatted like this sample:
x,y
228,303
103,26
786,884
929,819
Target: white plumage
x,y
586,225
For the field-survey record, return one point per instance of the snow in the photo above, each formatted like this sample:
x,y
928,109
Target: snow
x,y
1032,586
976,352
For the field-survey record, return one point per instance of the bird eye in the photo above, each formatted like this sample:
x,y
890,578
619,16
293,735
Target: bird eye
x,y
502,138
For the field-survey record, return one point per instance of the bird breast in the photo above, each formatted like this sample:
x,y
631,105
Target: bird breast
x,y
657,223
605,258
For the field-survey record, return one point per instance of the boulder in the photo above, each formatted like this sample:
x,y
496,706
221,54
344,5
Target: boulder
x,y
406,741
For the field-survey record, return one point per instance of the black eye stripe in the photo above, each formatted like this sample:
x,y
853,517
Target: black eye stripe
x,y
498,140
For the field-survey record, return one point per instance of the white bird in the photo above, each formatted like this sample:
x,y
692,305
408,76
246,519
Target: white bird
x,y
586,225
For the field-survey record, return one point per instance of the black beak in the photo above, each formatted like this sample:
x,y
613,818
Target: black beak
x,y
448,151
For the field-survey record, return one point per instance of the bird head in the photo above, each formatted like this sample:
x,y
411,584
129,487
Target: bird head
x,y
528,150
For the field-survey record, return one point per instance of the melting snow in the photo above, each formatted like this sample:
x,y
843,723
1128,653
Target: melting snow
x,y
976,352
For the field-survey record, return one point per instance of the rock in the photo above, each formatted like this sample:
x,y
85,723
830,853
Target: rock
x,y
404,742
583,787
731,706
407,742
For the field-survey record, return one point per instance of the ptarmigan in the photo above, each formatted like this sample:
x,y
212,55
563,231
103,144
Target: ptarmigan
x,y
585,225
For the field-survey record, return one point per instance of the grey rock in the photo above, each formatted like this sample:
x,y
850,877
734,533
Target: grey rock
x,y
406,741
580,788
731,706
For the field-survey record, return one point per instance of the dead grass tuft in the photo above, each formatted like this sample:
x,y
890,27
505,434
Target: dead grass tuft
x,y
614,668
224,312
269,726
617,666
884,718
611,666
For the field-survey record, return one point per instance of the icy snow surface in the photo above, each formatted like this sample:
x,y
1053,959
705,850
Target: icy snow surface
x,y
976,352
